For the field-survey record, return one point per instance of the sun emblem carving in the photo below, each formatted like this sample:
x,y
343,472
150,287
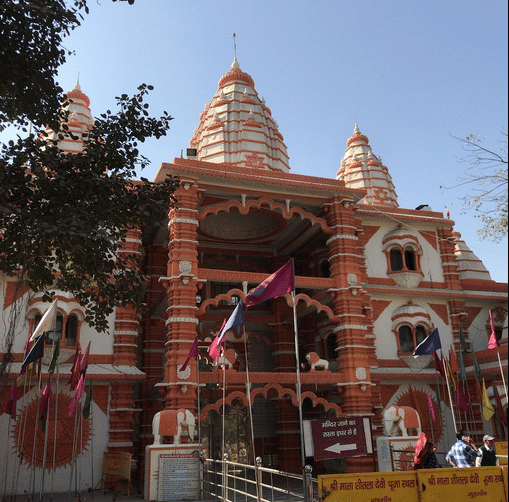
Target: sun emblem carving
x,y
32,451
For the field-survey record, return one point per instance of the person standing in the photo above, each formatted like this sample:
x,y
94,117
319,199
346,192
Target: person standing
x,y
462,452
488,453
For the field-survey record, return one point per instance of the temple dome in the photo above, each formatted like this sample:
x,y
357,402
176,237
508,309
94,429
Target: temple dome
x,y
361,168
79,121
237,127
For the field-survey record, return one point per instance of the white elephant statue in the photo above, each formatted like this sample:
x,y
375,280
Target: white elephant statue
x,y
401,419
170,423
315,362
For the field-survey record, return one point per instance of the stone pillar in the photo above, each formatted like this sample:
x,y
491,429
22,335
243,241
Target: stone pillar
x,y
447,245
181,286
354,332
125,353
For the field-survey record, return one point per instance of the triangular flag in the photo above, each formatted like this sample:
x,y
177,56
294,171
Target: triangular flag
x,y
279,283
75,372
36,352
47,322
460,397
431,407
453,361
88,401
10,409
215,347
77,395
487,407
236,319
493,344
54,358
84,361
477,368
439,365
192,353
449,373
501,414
429,345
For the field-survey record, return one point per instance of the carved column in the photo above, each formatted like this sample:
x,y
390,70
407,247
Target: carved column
x,y
181,286
125,353
354,333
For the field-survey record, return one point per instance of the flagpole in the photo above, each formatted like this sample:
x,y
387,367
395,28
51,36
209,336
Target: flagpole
x,y
45,451
450,398
502,372
299,394
248,390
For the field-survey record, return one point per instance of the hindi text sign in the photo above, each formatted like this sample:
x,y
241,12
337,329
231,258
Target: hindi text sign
x,y
341,437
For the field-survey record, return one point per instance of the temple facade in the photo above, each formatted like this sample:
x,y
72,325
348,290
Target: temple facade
x,y
372,281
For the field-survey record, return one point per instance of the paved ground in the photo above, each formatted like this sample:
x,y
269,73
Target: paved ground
x,y
94,496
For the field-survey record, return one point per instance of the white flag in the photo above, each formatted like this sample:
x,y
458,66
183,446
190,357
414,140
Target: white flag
x,y
47,322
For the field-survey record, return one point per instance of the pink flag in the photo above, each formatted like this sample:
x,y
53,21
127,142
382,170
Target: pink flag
x,y
75,372
44,404
77,395
279,283
215,347
431,407
192,353
10,409
493,338
84,361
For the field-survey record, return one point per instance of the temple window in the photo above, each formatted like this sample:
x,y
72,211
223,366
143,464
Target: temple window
x,y
403,260
409,337
396,259
68,325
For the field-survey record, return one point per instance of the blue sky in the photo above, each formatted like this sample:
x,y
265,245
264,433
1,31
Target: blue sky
x,y
411,74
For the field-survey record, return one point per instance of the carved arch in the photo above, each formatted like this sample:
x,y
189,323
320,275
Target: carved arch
x,y
258,204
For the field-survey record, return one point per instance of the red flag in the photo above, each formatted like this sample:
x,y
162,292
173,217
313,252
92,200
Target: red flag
x,y
431,407
279,283
439,365
493,344
460,396
10,409
192,353
453,361
77,395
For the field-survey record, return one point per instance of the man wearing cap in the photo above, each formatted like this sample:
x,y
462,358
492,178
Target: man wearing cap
x,y
489,455
462,452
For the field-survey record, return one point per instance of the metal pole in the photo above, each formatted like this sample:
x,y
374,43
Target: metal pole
x,y
299,390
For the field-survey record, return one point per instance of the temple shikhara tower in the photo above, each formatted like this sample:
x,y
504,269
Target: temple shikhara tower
x,y
372,281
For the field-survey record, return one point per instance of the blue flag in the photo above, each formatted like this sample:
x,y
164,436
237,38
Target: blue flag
x,y
236,319
429,345
36,352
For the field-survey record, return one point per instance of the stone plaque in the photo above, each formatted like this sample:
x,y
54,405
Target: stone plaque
x,y
179,477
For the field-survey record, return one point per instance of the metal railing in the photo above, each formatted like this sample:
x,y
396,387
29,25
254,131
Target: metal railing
x,y
233,482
